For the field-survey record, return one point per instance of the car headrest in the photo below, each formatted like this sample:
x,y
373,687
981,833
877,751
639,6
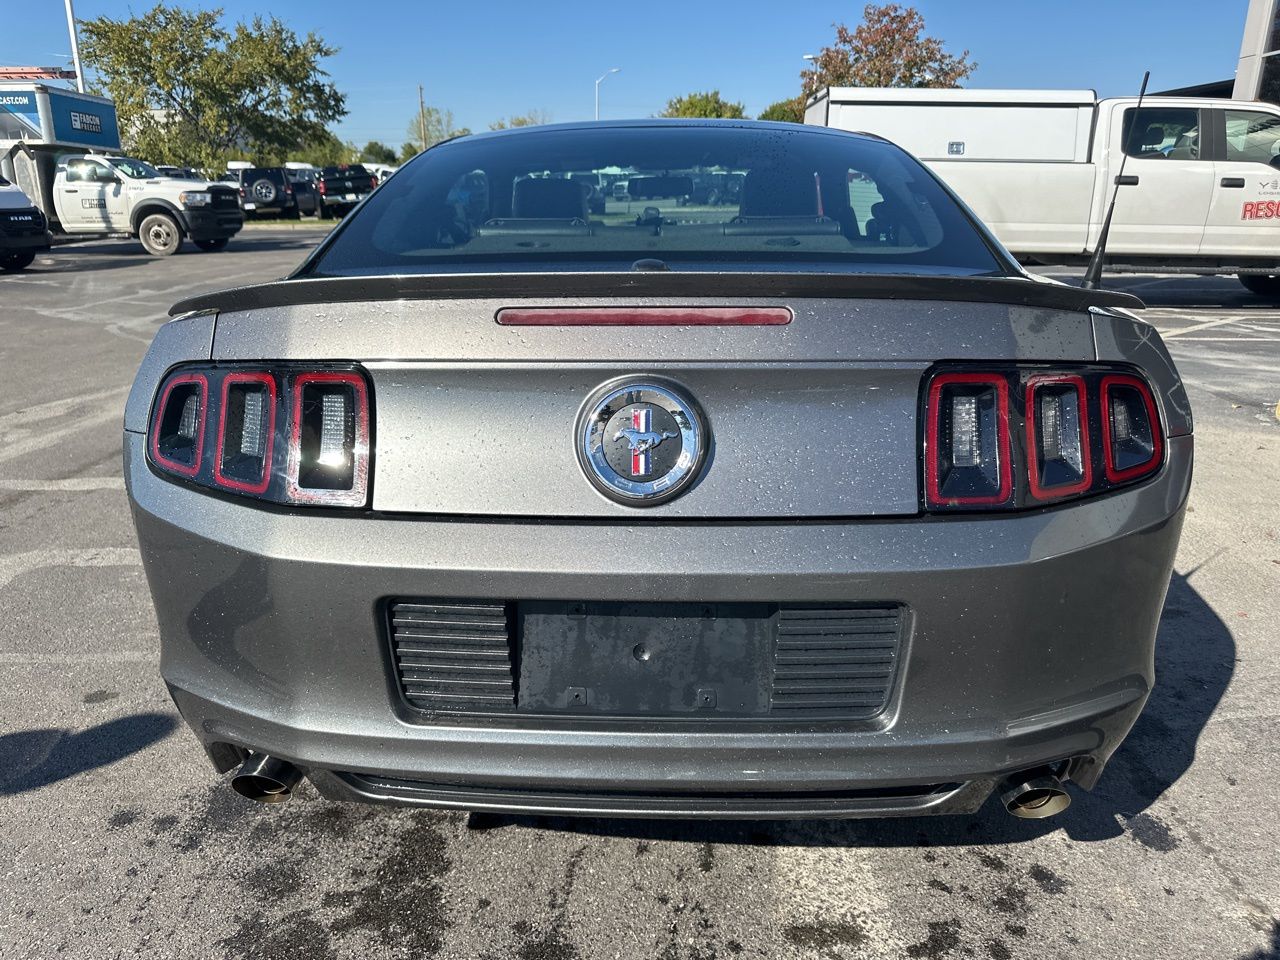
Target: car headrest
x,y
1154,136
548,199
775,192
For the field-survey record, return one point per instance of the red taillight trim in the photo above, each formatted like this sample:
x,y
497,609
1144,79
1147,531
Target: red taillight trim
x,y
1086,451
156,456
1157,428
359,491
231,482
933,492
644,316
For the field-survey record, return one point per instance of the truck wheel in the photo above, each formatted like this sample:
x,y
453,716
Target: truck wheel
x,y
160,234
212,246
324,212
11,261
1262,285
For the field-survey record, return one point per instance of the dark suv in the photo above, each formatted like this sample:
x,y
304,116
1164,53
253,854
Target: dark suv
x,y
266,190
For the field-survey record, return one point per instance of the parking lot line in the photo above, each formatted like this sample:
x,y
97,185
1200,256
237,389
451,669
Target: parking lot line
x,y
17,564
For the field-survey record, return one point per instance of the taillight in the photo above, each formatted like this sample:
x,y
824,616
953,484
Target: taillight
x,y
287,433
246,432
1132,443
329,440
320,187
177,426
967,441
1059,456
1011,437
373,182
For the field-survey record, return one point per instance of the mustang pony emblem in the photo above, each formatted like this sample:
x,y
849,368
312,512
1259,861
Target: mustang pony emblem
x,y
641,438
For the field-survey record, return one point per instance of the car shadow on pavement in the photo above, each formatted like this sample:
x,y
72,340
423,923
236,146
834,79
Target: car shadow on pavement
x,y
1195,659
30,759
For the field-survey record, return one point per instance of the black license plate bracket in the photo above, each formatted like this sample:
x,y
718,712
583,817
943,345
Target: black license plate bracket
x,y
645,659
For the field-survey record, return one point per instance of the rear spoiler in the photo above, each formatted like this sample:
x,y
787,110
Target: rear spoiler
x,y
1014,291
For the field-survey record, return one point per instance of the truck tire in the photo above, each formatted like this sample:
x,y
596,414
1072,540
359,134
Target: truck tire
x,y
11,261
1261,284
160,234
212,246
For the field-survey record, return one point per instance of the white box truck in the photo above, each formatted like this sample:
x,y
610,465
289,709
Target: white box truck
x,y
1200,192
61,148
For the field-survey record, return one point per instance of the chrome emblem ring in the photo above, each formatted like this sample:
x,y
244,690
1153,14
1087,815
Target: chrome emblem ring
x,y
641,441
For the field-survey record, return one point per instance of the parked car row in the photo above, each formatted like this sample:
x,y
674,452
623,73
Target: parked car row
x,y
100,195
290,194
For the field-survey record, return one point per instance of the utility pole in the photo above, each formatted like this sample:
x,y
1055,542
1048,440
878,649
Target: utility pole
x,y
75,47
422,115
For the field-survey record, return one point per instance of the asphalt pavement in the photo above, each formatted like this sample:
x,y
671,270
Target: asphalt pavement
x,y
117,839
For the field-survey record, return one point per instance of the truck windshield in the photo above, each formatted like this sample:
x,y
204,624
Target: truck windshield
x,y
134,169
703,195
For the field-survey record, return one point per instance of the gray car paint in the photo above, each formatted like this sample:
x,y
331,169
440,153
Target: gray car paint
x,y
271,639
1032,633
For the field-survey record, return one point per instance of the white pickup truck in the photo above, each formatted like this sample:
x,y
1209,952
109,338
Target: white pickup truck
x,y
1200,191
103,195
23,231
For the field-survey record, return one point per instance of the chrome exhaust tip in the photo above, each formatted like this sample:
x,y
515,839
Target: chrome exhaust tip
x,y
265,779
1034,795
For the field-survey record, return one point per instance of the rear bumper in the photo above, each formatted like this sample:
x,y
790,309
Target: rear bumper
x,y
1032,643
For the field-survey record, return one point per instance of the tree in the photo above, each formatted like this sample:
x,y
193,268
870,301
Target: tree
x,y
375,152
438,125
534,118
888,49
325,150
408,151
189,91
703,105
789,111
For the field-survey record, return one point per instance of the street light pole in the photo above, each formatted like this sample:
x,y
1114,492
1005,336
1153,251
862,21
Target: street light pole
x,y
599,81
75,47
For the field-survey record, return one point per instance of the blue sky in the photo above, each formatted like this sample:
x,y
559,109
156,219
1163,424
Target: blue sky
x,y
493,59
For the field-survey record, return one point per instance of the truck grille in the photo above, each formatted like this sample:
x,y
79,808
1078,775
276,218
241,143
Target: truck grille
x,y
22,223
750,661
224,199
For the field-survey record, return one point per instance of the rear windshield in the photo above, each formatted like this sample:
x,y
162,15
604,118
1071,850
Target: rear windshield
x,y
264,173
702,197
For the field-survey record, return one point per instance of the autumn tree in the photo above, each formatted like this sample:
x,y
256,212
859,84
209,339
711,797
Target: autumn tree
x,y
889,48
789,111
703,105
190,91
534,118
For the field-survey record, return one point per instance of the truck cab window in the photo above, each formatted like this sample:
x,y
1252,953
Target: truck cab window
x,y
1253,136
1156,133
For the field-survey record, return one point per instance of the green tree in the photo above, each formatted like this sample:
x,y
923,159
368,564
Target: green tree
x,y
325,150
703,105
187,90
375,152
888,48
790,111
534,118
408,151
437,124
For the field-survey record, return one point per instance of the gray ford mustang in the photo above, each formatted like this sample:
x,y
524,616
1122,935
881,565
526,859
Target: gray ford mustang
x,y
806,503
